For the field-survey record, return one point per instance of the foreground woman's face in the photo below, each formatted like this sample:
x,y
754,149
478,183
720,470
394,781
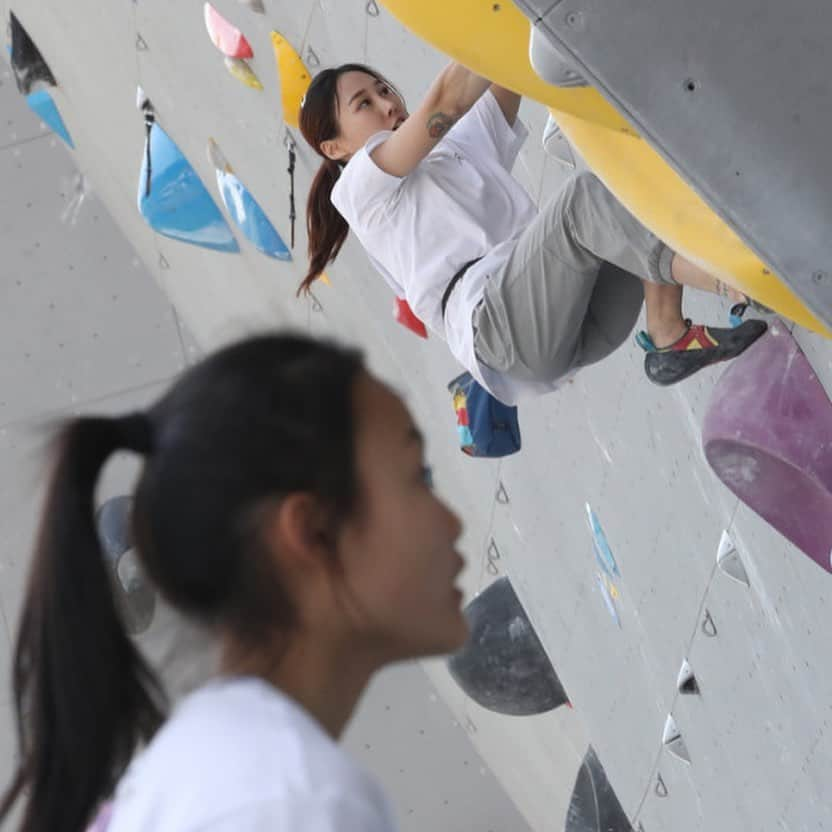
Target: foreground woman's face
x,y
398,554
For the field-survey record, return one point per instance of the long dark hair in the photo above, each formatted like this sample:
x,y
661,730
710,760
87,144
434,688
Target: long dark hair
x,y
326,228
256,421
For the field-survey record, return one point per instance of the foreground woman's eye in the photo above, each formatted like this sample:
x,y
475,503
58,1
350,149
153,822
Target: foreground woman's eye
x,y
427,476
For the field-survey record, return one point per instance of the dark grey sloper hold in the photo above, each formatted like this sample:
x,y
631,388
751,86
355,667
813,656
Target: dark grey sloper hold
x,y
135,596
594,806
28,64
503,666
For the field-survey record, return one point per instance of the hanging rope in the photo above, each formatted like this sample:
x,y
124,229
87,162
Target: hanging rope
x,y
290,146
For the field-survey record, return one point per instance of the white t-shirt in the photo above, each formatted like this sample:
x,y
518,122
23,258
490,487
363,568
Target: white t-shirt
x,y
239,755
460,202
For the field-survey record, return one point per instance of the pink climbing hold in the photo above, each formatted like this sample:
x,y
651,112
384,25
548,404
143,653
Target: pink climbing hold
x,y
768,436
404,315
225,36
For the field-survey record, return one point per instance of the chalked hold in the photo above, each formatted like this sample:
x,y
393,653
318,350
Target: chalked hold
x,y
504,667
768,436
594,806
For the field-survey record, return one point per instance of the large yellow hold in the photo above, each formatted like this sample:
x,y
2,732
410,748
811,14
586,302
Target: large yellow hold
x,y
493,40
294,78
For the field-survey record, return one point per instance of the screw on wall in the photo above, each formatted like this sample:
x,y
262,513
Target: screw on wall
x,y
492,555
502,495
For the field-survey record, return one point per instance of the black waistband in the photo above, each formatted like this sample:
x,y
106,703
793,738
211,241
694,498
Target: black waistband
x,y
454,280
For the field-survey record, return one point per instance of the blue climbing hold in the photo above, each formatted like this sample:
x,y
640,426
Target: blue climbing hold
x,y
174,202
603,553
250,217
44,107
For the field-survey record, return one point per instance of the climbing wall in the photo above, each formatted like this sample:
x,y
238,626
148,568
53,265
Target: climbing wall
x,y
751,750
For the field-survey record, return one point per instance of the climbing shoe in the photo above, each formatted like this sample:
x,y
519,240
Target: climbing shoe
x,y
699,347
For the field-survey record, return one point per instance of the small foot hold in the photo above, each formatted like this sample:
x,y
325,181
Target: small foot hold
x,y
729,561
698,348
686,681
672,740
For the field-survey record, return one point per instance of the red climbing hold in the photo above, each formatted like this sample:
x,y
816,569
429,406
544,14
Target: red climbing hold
x,y
768,436
225,36
404,315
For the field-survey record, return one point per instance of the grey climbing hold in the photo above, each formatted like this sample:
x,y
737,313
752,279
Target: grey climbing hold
x,y
672,740
141,43
503,666
660,787
255,5
134,595
729,561
594,806
686,681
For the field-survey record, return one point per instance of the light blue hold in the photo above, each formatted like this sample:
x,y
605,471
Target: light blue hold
x,y
603,553
44,107
250,217
179,205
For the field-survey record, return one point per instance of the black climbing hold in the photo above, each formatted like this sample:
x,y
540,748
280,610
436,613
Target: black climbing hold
x,y
594,806
28,64
135,597
504,667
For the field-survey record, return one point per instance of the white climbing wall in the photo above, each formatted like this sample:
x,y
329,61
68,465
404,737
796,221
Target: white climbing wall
x,y
761,754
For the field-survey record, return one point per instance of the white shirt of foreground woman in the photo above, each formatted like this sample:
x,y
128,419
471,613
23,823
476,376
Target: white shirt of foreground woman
x,y
240,756
460,202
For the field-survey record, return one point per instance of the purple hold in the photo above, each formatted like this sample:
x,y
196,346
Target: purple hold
x,y
768,437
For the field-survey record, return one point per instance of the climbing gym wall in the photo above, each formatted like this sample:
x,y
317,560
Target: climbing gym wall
x,y
656,657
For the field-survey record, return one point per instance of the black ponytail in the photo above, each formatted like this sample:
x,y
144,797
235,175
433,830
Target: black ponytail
x,y
325,227
84,696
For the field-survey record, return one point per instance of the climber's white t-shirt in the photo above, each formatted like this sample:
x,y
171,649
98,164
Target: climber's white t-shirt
x,y
238,755
459,203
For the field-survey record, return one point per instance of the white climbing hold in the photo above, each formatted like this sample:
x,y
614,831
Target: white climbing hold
x,y
686,681
142,101
672,740
729,561
217,158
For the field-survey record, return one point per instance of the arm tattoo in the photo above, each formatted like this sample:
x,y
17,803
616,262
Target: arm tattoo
x,y
438,125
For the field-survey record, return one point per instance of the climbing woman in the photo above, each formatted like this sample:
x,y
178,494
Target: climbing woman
x,y
284,502
523,298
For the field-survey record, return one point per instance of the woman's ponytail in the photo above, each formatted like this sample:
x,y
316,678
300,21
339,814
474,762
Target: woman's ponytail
x,y
326,228
84,696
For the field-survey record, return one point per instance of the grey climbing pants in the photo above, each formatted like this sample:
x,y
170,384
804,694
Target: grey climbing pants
x,y
570,293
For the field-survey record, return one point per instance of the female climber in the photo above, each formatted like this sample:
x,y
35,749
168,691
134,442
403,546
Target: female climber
x,y
523,298
302,529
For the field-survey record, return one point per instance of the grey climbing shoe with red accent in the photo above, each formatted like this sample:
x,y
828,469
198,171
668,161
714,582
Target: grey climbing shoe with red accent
x,y
699,347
